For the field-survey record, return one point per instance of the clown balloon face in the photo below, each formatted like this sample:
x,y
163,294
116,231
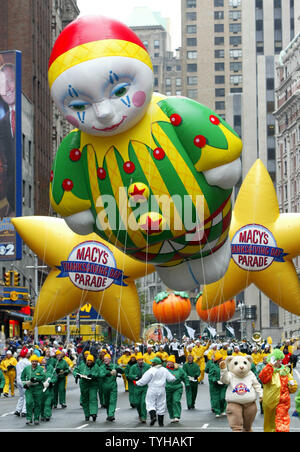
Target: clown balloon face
x,y
104,96
101,81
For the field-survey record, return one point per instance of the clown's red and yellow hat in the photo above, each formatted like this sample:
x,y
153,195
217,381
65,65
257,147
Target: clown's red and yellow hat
x,y
90,37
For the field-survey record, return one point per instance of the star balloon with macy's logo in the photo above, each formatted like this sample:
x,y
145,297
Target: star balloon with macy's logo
x,y
83,271
264,243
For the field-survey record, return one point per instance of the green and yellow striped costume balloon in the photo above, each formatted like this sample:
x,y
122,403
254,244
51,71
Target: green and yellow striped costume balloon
x,y
161,158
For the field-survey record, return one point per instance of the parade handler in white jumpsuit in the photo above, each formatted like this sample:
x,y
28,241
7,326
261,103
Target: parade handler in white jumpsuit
x,y
156,379
22,363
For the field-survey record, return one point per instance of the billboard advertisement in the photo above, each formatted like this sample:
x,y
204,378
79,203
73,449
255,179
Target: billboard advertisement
x,y
10,153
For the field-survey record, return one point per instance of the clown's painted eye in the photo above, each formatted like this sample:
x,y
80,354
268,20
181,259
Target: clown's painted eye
x,y
78,105
120,90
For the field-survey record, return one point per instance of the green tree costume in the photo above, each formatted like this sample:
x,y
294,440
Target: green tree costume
x,y
136,372
62,370
193,372
48,392
174,392
32,379
217,391
88,388
110,388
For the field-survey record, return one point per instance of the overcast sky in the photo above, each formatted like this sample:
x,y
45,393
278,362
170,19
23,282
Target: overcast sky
x,y
121,10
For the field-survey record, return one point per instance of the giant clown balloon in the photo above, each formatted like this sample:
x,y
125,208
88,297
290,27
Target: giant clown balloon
x,y
83,270
151,174
264,243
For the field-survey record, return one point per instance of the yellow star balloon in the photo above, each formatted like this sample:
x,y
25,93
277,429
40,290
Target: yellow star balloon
x,y
84,269
263,246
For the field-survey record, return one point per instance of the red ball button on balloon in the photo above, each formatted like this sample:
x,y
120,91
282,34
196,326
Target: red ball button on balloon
x,y
158,153
214,120
51,176
67,185
200,141
175,119
75,155
101,173
128,167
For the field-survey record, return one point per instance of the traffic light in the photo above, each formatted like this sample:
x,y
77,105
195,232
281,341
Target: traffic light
x,y
7,278
16,279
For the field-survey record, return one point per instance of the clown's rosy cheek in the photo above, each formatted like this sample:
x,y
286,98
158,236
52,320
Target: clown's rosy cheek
x,y
72,121
138,99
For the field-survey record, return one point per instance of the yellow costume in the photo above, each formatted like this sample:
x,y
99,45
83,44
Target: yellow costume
x,y
148,356
8,367
198,354
123,361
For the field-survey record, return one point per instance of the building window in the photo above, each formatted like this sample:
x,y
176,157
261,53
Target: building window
x,y
234,3
156,44
155,69
236,79
192,80
191,41
191,3
235,53
220,105
235,40
220,92
219,15
168,81
29,196
219,79
191,29
192,93
146,43
235,15
178,81
219,28
219,40
218,3
219,67
236,66
235,28
191,16
270,84
236,90
191,54
192,67
219,53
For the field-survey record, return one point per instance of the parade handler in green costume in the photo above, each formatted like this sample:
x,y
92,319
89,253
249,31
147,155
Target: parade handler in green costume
x,y
174,389
192,370
32,378
88,373
108,372
135,374
62,369
48,390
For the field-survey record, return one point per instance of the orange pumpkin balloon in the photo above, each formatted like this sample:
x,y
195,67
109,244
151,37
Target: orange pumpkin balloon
x,y
174,307
220,313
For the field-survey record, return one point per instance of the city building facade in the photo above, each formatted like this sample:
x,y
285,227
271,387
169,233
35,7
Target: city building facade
x,y
229,51
31,26
287,121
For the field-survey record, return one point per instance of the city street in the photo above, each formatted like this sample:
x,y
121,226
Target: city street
x,y
127,425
